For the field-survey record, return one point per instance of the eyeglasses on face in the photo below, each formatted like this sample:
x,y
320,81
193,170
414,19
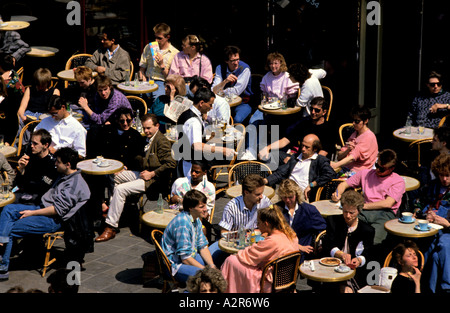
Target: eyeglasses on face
x,y
316,110
123,121
159,37
435,84
356,121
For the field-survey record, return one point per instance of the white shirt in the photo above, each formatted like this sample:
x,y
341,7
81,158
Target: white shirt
x,y
241,84
193,130
310,89
236,213
67,132
220,110
291,216
300,173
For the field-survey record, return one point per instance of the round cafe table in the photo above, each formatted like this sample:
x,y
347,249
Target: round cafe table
x,y
410,183
143,87
236,191
42,52
398,228
235,101
10,200
229,247
14,25
327,207
157,220
280,111
69,75
8,151
325,274
400,134
91,168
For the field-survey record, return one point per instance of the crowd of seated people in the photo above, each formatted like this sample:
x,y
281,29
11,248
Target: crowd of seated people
x,y
306,155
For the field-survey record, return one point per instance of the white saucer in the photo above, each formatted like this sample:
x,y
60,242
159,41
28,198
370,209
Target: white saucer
x,y
402,221
417,228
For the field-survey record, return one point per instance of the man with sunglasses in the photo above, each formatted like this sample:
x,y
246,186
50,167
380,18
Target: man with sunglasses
x,y
383,190
155,65
431,105
66,130
315,123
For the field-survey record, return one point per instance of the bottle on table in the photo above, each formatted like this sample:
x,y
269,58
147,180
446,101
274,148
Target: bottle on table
x,y
138,122
160,205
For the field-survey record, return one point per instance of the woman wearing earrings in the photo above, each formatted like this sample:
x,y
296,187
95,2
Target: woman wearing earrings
x,y
191,62
243,270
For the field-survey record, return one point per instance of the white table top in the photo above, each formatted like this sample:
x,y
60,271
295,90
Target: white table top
x,y
157,220
14,25
90,167
143,87
69,75
398,228
325,274
8,151
399,133
43,52
327,207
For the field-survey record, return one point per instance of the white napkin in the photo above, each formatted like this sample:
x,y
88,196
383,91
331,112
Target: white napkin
x,y
436,226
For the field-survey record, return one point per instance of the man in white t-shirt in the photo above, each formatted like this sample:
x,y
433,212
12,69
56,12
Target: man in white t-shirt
x,y
66,130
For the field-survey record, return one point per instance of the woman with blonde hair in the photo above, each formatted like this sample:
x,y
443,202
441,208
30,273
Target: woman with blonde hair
x,y
191,61
303,217
243,270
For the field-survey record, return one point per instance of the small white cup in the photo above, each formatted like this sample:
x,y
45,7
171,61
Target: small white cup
x,y
423,224
407,217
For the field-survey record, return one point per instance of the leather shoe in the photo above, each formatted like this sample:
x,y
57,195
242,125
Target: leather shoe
x,y
108,233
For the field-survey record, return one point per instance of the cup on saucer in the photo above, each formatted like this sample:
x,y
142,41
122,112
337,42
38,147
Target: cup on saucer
x,y
407,217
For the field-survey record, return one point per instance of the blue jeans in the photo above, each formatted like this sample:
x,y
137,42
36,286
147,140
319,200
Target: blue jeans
x,y
439,254
241,112
12,226
185,271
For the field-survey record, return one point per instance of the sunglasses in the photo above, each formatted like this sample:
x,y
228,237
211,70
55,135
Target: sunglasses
x,y
356,121
128,121
159,38
435,84
382,169
316,110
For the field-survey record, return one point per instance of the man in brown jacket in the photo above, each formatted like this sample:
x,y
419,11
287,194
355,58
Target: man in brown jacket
x,y
158,166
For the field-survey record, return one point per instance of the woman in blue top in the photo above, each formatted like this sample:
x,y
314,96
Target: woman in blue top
x,y
183,241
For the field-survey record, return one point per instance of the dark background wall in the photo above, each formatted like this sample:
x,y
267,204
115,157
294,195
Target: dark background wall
x,y
327,35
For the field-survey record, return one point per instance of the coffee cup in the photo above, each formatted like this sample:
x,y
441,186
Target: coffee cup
x,y
407,217
423,224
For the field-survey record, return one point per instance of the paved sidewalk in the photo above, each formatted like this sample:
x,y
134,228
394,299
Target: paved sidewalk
x,y
115,266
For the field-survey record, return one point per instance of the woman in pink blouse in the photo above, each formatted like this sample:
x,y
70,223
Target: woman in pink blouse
x,y
361,149
243,270
191,62
276,82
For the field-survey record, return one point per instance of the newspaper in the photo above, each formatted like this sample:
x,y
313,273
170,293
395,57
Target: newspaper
x,y
176,107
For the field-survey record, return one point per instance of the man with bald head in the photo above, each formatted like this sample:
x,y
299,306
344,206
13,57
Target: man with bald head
x,y
307,168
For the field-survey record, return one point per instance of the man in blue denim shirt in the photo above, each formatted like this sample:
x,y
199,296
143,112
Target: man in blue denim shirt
x,y
183,241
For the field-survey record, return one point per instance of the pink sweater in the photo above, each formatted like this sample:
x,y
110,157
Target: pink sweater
x,y
365,152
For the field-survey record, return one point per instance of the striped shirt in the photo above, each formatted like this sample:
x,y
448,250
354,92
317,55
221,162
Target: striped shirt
x,y
183,238
236,214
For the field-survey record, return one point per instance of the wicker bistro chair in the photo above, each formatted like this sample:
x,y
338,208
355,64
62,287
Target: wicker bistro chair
x,y
325,192
388,260
328,95
165,268
138,103
218,171
345,130
239,171
75,61
50,239
285,273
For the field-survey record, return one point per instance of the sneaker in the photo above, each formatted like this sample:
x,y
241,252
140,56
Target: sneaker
x,y
4,275
248,156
